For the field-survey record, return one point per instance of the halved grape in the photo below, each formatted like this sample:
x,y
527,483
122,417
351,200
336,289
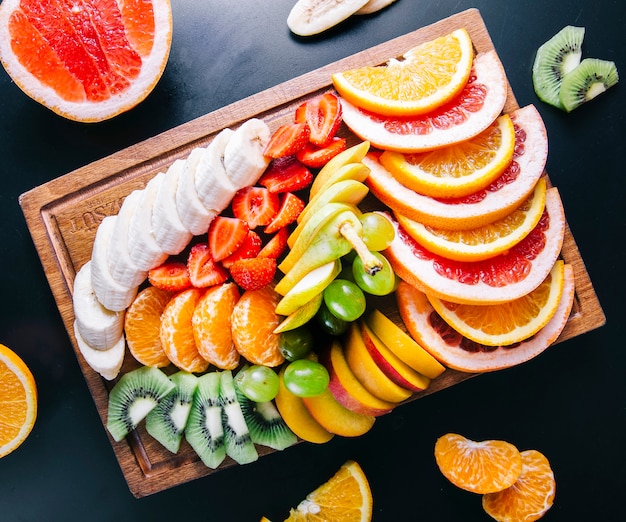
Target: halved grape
x,y
306,378
258,383
382,282
345,299
378,232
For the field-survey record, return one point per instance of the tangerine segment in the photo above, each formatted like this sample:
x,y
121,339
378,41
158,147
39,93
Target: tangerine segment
x,y
425,77
177,332
457,170
530,497
142,326
480,467
18,401
345,497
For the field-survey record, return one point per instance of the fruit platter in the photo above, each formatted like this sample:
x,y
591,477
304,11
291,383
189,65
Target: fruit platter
x,y
66,215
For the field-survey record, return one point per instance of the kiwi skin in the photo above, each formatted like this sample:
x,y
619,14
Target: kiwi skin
x,y
589,79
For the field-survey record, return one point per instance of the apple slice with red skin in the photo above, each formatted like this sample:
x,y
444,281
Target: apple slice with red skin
x,y
336,418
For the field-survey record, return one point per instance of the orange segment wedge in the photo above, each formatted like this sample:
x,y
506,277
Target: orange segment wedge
x,y
424,78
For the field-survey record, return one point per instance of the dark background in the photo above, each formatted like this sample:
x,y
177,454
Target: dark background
x,y
569,403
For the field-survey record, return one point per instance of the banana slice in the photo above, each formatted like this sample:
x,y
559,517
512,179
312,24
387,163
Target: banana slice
x,y
99,327
113,295
243,157
106,362
194,216
374,5
170,233
309,17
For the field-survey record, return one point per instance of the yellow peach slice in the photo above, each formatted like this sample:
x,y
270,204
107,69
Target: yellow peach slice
x,y
336,418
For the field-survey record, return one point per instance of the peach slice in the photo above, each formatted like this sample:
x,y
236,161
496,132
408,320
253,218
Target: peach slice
x,y
399,372
367,371
403,345
347,389
336,418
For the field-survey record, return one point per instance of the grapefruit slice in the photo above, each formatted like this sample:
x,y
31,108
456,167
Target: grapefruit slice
x,y
459,353
469,113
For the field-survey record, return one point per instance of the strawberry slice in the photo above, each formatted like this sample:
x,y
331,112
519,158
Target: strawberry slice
x,y
287,139
316,157
286,174
277,244
203,270
253,273
257,206
250,247
171,276
323,116
290,208
226,234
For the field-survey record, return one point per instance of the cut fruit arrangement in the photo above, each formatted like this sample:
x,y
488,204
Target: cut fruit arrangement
x,y
249,272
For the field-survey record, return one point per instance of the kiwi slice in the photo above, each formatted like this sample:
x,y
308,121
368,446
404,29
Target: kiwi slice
x,y
136,394
554,59
204,431
166,423
265,423
239,445
589,79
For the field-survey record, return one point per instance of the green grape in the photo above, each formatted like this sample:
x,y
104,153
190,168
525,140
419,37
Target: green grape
x,y
330,323
306,378
345,299
258,383
295,344
382,282
378,232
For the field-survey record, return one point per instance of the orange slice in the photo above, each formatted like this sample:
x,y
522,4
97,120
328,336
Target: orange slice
x,y
424,78
18,401
480,467
86,61
457,170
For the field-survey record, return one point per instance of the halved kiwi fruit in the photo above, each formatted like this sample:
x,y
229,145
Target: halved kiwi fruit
x,y
589,79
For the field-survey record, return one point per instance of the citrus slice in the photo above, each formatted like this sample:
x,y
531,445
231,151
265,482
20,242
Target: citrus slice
x,y
480,467
494,202
469,113
345,497
480,243
87,61
18,401
459,353
424,78
457,170
530,497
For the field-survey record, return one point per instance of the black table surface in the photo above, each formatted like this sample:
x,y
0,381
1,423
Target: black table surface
x,y
569,403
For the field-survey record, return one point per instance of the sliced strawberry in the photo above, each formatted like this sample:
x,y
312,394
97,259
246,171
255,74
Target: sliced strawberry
x,y
257,206
203,270
253,273
171,276
226,234
277,244
316,157
287,139
250,247
286,174
323,116
290,208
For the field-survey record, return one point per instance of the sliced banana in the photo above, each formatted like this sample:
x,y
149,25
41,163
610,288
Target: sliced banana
x,y
170,233
99,327
113,295
243,157
374,5
106,362
309,17
194,216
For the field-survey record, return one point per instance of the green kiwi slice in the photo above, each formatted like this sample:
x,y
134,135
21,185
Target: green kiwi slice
x,y
166,423
554,59
589,79
136,394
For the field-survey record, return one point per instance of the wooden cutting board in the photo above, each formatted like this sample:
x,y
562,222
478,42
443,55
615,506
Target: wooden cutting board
x,y
63,215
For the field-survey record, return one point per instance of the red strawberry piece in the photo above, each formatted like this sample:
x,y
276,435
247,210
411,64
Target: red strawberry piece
x,y
171,276
286,175
316,157
257,206
287,140
277,244
250,247
290,208
323,116
226,234
253,273
203,270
